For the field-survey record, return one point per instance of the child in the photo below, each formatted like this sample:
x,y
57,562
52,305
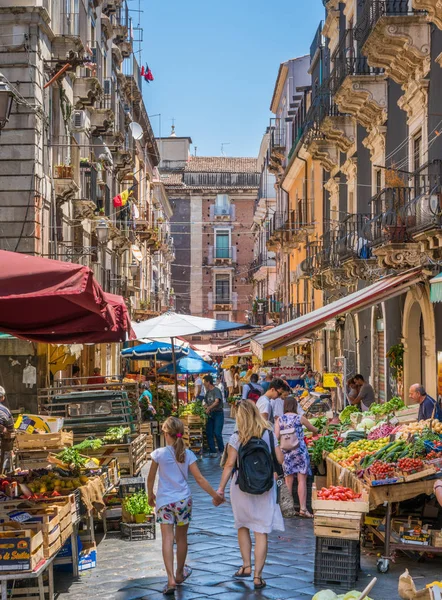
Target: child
x,y
173,500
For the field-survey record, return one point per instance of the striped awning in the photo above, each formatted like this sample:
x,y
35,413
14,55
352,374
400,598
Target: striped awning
x,y
382,290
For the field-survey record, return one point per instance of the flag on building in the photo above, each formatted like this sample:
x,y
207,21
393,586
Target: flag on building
x,y
121,199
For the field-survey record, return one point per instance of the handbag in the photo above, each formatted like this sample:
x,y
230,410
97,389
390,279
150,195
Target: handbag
x,y
288,439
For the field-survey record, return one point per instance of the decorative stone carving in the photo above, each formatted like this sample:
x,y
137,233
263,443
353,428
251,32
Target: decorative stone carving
x,y
350,168
375,141
326,154
400,45
102,120
65,189
430,242
365,98
415,99
433,8
117,55
106,26
360,268
399,255
87,91
331,25
340,130
84,209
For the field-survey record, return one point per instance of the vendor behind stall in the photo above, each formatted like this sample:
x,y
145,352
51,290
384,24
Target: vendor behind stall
x,y
309,379
428,407
6,428
365,398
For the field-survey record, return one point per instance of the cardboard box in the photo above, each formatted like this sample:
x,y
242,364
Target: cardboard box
x,y
88,557
20,550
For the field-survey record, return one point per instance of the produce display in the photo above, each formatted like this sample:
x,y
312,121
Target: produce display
x,y
337,492
115,435
348,410
193,408
387,408
330,595
356,451
381,470
381,431
419,426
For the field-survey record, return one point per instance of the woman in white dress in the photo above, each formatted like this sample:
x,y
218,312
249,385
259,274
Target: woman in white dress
x,y
258,513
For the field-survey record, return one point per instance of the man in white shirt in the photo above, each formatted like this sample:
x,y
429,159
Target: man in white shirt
x,y
264,404
278,404
228,380
198,392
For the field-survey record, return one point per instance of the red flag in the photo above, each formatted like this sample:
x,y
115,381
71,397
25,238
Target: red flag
x,y
142,71
117,201
149,75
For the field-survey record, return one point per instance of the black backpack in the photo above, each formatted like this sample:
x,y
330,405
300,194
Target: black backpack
x,y
256,465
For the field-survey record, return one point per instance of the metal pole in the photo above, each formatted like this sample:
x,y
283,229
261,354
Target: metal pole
x,y
175,373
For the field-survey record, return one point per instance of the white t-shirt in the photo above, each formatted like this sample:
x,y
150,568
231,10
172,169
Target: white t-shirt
x,y
172,476
277,407
199,382
264,406
228,377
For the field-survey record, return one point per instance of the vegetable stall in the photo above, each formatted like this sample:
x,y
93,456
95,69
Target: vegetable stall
x,y
375,462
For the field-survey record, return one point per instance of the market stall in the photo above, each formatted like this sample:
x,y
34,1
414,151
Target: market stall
x,y
386,457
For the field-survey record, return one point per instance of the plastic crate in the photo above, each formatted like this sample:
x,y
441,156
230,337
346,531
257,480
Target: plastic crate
x,y
337,562
431,447
131,485
139,531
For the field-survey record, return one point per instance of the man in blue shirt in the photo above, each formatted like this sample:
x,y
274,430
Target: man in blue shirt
x,y
428,407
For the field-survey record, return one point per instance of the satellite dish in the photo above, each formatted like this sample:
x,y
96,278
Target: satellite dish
x,y
136,130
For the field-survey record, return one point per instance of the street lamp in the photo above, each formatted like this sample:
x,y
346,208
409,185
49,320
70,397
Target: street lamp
x,y
134,269
102,231
6,98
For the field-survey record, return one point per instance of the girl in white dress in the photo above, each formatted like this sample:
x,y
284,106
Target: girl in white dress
x,y
258,513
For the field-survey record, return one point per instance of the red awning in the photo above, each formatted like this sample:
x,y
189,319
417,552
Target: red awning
x,y
380,291
45,300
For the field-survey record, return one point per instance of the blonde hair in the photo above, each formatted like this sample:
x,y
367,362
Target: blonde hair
x,y
249,421
175,428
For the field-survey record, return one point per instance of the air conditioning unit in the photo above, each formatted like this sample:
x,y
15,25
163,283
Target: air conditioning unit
x,y
80,121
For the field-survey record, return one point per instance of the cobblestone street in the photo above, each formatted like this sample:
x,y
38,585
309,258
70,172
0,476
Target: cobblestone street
x,y
130,571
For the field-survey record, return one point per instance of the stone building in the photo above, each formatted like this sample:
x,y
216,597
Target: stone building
x,y
373,126
213,203
79,136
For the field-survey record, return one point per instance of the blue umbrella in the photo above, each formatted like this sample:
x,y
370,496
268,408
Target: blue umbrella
x,y
189,366
160,350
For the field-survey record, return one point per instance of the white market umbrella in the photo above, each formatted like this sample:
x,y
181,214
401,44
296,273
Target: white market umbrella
x,y
171,325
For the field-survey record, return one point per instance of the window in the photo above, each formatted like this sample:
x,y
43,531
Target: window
x,y
417,143
222,204
378,175
222,289
222,243
222,316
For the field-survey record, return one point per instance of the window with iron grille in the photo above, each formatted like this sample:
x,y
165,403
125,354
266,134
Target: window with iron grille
x,y
222,289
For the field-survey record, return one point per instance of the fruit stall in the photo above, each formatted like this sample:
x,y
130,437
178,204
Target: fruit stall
x,y
379,467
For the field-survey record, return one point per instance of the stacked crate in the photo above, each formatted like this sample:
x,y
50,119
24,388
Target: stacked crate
x,y
337,526
193,433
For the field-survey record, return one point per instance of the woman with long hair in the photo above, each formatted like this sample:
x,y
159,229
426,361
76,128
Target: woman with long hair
x,y
173,499
296,460
259,513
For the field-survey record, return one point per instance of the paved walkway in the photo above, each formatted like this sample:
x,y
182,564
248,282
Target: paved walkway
x,y
134,570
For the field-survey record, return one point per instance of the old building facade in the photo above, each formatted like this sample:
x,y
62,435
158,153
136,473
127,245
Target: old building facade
x,y
373,126
213,203
78,138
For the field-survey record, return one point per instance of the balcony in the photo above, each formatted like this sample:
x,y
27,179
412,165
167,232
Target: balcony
x,y
277,146
69,24
261,265
275,231
300,222
389,231
222,302
65,183
424,213
110,7
102,121
223,256
223,213
396,38
296,310
358,89
87,91
132,73
274,307
352,248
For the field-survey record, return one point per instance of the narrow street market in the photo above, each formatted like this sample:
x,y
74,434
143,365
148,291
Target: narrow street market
x,y
220,355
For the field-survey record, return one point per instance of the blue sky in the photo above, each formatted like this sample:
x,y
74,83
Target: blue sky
x,y
215,65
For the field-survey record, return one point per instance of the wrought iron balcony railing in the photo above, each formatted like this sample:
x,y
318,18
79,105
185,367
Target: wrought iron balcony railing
x,y
391,221
318,40
374,10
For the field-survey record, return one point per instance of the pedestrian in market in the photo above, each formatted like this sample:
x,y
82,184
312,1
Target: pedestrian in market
x,y
365,397
7,432
296,458
278,403
266,382
173,500
259,513
428,407
264,404
253,388
228,379
213,405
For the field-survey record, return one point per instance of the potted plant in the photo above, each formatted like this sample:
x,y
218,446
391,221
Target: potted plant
x,y
137,506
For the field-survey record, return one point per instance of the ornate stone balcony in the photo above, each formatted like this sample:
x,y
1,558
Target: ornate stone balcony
x,y
395,38
65,184
87,91
277,147
106,26
433,8
102,121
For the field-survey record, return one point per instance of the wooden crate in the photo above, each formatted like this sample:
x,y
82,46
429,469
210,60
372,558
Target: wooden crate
x,y
33,459
338,524
420,474
191,420
44,441
131,457
30,545
359,506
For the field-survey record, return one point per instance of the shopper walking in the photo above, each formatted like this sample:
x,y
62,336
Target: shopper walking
x,y
173,500
294,449
254,449
213,404
264,403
